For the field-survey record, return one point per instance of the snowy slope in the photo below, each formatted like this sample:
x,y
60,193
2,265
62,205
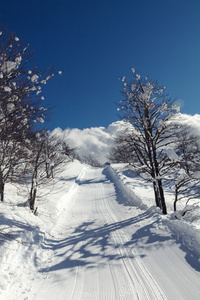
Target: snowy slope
x,y
96,239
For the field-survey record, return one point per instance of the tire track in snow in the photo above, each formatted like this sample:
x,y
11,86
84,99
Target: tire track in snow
x,y
129,280
122,288
47,287
102,286
179,278
167,267
77,285
95,286
135,269
78,282
116,272
99,208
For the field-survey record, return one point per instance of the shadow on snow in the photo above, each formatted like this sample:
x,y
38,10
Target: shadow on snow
x,y
90,246
11,229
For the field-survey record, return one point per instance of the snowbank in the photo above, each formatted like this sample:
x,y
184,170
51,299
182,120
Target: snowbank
x,y
129,196
185,234
22,234
185,231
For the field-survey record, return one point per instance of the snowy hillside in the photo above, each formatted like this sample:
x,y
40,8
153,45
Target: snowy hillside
x,y
98,141
97,236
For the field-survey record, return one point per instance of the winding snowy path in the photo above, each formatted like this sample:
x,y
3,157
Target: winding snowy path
x,y
103,250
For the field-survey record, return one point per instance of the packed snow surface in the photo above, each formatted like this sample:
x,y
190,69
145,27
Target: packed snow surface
x,y
97,236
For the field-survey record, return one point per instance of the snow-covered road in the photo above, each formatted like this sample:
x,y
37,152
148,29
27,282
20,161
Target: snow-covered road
x,y
103,250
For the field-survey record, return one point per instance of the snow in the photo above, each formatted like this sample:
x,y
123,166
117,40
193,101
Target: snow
x,y
98,236
181,176
48,160
8,66
176,107
137,77
7,89
39,119
10,107
133,70
172,155
37,135
18,60
34,78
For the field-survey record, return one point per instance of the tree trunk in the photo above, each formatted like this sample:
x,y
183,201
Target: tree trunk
x,y
2,186
176,197
156,194
32,199
159,196
159,183
162,197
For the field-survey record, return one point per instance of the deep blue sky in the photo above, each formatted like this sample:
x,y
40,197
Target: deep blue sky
x,y
98,41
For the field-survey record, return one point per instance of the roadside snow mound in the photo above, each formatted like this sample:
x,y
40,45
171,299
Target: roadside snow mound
x,y
129,196
185,231
22,234
185,234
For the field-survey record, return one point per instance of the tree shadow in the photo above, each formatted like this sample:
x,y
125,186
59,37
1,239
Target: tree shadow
x,y
90,244
148,232
67,179
147,237
90,181
11,229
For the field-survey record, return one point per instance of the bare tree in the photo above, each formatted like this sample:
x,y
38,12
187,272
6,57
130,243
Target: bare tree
x,y
21,100
48,155
185,175
90,160
121,152
149,110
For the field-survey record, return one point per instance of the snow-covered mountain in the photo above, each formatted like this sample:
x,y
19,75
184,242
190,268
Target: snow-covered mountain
x,y
98,141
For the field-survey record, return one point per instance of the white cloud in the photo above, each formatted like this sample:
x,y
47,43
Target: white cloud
x,y
192,121
96,141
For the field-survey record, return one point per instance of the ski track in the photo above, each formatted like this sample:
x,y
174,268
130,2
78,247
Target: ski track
x,y
142,285
89,256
